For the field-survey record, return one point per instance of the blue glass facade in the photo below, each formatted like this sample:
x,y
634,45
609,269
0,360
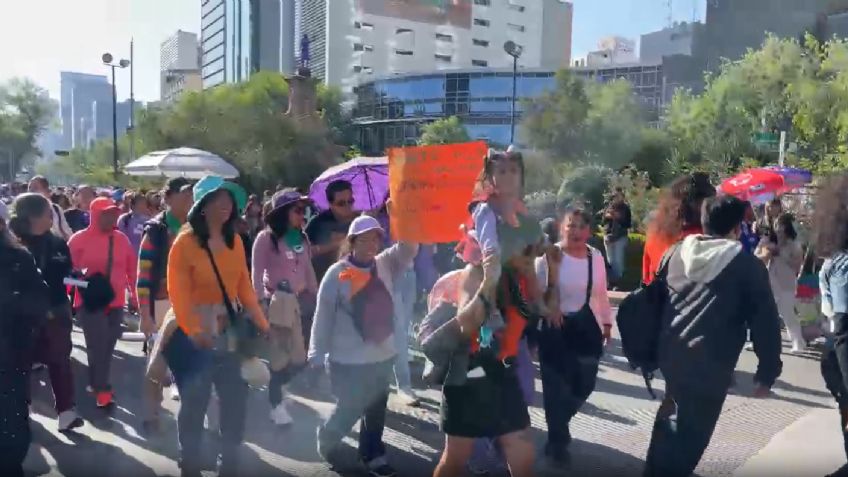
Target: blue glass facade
x,y
391,111
229,40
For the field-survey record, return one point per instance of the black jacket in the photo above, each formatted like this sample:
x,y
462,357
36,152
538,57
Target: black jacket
x,y
53,258
24,305
716,294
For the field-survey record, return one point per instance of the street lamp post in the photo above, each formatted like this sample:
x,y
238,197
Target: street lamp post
x,y
514,50
107,60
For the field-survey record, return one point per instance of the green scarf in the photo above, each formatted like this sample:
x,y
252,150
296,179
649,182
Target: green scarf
x,y
294,240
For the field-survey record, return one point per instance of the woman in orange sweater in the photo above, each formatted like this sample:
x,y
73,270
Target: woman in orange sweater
x,y
198,352
677,215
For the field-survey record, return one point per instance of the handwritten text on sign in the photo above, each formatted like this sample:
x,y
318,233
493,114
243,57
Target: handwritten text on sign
x,y
431,187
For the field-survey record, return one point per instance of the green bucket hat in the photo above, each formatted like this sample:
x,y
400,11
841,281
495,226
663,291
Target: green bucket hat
x,y
211,184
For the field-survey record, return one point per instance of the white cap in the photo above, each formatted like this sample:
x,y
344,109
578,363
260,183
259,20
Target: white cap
x,y
362,224
4,212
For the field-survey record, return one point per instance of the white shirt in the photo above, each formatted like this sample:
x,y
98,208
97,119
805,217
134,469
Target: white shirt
x,y
573,278
60,225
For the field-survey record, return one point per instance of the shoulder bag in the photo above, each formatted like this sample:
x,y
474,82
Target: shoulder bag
x,y
246,334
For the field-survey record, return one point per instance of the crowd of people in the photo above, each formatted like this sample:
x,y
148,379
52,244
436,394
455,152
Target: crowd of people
x,y
221,279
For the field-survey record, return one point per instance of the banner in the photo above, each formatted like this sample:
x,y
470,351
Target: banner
x,y
431,187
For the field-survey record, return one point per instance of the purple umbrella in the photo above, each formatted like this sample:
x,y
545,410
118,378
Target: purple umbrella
x,y
793,177
369,177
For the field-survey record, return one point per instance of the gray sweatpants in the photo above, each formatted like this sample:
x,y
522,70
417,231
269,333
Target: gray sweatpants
x,y
102,330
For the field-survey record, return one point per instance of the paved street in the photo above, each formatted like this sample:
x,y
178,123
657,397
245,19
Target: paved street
x,y
612,432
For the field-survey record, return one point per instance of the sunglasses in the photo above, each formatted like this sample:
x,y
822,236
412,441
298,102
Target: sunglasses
x,y
344,203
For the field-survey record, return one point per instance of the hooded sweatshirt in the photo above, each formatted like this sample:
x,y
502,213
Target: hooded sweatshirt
x,y
90,252
716,294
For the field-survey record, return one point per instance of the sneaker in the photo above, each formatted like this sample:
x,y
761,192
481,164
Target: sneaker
x,y
69,420
798,346
749,346
175,393
280,415
558,454
38,367
379,467
105,399
408,397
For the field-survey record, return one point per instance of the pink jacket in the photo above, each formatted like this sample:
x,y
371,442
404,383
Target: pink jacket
x,y
89,252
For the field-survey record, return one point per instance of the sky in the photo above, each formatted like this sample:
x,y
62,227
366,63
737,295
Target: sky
x,y
40,38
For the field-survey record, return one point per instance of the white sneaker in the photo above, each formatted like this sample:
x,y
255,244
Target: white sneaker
x,y
38,366
175,393
799,346
69,420
280,415
749,346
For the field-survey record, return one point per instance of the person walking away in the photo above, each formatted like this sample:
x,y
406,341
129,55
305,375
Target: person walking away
x,y
678,215
23,298
772,211
830,222
206,257
327,230
109,262
617,223
783,256
574,277
284,279
353,330
716,294
78,217
31,222
40,185
132,223
152,285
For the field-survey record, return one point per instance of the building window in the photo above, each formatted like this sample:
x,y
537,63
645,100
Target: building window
x,y
363,26
479,63
485,3
515,27
403,52
362,47
516,8
443,37
483,43
401,31
362,69
443,58
481,22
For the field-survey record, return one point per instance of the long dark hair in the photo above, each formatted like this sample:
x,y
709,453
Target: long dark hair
x,y
830,217
787,222
200,228
484,180
680,205
277,222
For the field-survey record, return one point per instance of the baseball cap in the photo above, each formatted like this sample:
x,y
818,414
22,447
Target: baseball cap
x,y
176,185
286,197
363,224
103,204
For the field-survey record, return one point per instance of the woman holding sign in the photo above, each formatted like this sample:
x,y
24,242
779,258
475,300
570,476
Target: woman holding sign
x,y
353,331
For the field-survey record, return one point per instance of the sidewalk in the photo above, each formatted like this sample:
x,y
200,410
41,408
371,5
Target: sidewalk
x,y
812,445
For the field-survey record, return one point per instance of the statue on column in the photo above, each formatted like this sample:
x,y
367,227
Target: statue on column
x,y
303,66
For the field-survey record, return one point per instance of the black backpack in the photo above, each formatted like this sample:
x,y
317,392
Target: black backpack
x,y
639,321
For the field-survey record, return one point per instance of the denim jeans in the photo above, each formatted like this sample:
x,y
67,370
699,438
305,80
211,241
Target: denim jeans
x,y
404,299
195,372
616,255
361,391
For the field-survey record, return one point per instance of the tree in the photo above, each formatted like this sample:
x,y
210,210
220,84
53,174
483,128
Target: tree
x,y
555,121
444,131
26,111
614,124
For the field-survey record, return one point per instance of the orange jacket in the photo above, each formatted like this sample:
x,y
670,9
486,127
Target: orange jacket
x,y
192,282
655,247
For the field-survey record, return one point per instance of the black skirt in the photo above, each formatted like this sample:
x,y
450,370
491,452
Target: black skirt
x,y
488,406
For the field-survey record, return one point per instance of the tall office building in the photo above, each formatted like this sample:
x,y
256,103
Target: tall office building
x,y
179,65
241,37
79,91
675,40
613,50
358,40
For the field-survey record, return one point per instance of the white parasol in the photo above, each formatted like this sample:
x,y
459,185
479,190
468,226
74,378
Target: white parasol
x,y
181,162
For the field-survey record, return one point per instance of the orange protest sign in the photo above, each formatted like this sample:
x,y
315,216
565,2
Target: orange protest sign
x,y
431,187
